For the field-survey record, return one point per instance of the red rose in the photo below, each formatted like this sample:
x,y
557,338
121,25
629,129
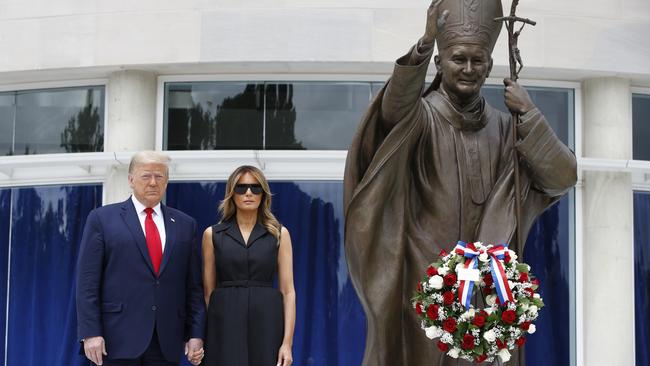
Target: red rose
x,y
450,279
525,325
479,319
535,282
506,257
419,286
418,308
501,344
431,271
448,298
444,347
468,342
509,316
449,325
488,279
520,341
523,277
432,311
442,253
481,358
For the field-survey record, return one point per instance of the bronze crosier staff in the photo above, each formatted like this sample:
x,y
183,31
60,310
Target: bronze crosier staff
x,y
515,67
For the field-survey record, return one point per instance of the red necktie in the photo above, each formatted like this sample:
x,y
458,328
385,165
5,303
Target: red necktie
x,y
153,240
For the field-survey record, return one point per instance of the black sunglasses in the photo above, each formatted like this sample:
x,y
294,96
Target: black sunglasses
x,y
243,188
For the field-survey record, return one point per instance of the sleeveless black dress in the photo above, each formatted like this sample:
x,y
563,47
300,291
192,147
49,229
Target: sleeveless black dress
x,y
245,321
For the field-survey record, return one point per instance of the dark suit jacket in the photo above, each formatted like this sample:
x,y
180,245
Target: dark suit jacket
x,y
119,296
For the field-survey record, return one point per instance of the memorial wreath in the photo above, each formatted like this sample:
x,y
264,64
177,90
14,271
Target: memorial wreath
x,y
443,301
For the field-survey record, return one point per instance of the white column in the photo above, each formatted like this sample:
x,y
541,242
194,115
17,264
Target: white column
x,y
608,293
130,126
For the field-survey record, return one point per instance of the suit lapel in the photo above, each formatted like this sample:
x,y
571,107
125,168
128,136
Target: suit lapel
x,y
131,220
170,232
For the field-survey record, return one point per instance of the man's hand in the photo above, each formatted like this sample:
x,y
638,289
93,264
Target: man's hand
x,y
194,350
434,22
95,349
517,98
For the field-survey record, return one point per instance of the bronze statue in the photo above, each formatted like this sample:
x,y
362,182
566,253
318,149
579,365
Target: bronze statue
x,y
429,168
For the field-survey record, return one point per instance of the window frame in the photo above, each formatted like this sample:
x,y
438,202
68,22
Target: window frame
x,y
49,85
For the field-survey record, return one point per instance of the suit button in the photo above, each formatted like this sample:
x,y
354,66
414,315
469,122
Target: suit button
x,y
153,307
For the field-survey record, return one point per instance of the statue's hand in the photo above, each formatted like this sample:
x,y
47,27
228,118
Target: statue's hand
x,y
517,98
435,22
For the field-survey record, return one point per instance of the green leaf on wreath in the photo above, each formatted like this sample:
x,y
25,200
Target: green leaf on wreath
x,y
493,318
522,267
479,350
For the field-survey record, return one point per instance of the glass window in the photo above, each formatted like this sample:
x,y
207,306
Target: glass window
x,y
214,115
314,116
555,103
241,115
641,126
7,109
301,115
52,121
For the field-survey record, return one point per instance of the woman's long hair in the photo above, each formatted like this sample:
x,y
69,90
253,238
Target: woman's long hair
x,y
228,209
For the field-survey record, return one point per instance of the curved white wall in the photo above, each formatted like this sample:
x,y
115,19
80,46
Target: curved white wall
x,y
42,40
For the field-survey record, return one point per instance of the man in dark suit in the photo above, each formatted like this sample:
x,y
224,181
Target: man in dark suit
x,y
139,293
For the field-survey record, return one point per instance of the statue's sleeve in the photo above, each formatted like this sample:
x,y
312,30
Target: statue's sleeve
x,y
404,89
551,164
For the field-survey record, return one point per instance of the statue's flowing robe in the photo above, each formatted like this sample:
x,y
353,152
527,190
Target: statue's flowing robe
x,y
437,176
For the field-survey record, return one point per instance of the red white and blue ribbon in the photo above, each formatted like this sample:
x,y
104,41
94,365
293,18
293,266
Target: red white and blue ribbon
x,y
495,254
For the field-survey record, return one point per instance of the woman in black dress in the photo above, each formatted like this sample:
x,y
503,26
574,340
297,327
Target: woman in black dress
x,y
249,322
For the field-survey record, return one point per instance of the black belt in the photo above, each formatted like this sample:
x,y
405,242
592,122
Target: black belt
x,y
245,283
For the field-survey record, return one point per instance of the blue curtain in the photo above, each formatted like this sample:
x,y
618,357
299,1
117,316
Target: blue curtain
x,y
330,326
548,253
5,222
642,276
46,228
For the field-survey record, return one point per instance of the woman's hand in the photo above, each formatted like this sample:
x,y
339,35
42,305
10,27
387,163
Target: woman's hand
x,y
284,356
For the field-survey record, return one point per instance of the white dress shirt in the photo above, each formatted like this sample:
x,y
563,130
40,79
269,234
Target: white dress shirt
x,y
157,219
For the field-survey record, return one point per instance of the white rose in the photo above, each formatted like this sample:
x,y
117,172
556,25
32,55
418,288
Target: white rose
x,y
489,310
504,354
436,282
491,299
459,266
471,312
433,332
533,310
453,353
483,257
490,336
532,329
536,295
443,271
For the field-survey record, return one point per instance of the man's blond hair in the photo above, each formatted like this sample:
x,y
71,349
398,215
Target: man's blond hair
x,y
149,157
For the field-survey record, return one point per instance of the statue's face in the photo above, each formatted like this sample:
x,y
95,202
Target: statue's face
x,y
464,70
